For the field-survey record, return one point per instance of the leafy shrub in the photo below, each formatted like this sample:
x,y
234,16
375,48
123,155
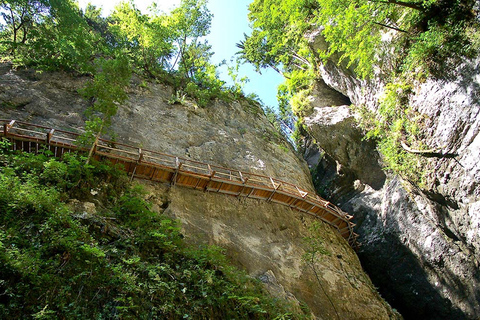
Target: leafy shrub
x,y
301,103
393,124
439,49
125,262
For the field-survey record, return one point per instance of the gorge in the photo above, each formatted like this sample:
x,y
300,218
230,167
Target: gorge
x,y
379,115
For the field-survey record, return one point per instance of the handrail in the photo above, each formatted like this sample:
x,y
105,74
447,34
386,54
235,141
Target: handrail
x,y
225,176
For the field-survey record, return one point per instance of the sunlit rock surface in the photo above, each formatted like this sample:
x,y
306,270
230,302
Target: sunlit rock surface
x,y
265,239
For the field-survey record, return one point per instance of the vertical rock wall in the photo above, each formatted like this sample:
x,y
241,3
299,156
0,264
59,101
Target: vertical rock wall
x,y
421,247
264,238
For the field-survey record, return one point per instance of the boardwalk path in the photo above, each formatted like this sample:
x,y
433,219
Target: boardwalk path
x,y
159,167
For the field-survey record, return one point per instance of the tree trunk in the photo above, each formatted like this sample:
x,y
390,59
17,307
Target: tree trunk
x,y
410,5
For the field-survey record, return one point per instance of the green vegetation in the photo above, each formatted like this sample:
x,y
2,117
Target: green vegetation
x,y
106,91
425,32
400,41
316,250
121,262
394,124
57,35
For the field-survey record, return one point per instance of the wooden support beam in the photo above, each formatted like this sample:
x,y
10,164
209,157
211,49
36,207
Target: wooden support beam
x,y
347,228
336,220
271,195
140,157
253,189
244,182
198,182
153,173
178,165
294,203
314,206
212,174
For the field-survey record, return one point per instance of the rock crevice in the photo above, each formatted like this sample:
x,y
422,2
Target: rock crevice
x,y
420,246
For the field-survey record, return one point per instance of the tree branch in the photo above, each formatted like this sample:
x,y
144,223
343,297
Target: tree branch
x,y
300,58
432,153
278,70
390,27
411,5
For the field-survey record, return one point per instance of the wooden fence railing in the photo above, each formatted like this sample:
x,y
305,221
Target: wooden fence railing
x,y
160,167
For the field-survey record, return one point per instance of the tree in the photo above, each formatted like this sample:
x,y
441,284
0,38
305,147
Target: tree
x,y
146,37
19,17
106,91
50,34
277,37
188,23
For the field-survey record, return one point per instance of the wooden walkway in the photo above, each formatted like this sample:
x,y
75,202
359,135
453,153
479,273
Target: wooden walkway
x,y
159,167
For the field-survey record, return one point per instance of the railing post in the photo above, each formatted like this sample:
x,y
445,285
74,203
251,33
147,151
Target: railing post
x,y
49,136
244,181
178,166
273,183
7,127
241,176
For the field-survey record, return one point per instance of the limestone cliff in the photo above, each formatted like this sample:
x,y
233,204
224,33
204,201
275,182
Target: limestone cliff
x,y
420,246
264,238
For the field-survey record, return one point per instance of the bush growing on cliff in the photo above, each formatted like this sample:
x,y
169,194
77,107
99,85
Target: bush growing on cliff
x,y
395,126
122,262
427,36
57,35
406,40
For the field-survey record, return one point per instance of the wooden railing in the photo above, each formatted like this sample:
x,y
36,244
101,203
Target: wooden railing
x,y
156,166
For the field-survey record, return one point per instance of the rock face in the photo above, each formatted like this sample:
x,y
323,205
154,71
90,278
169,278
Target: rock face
x,y
421,247
333,125
264,238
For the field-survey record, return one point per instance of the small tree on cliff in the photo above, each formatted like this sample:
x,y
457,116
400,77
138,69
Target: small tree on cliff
x,y
315,250
106,91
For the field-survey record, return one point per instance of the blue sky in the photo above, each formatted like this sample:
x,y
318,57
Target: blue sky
x,y
229,23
